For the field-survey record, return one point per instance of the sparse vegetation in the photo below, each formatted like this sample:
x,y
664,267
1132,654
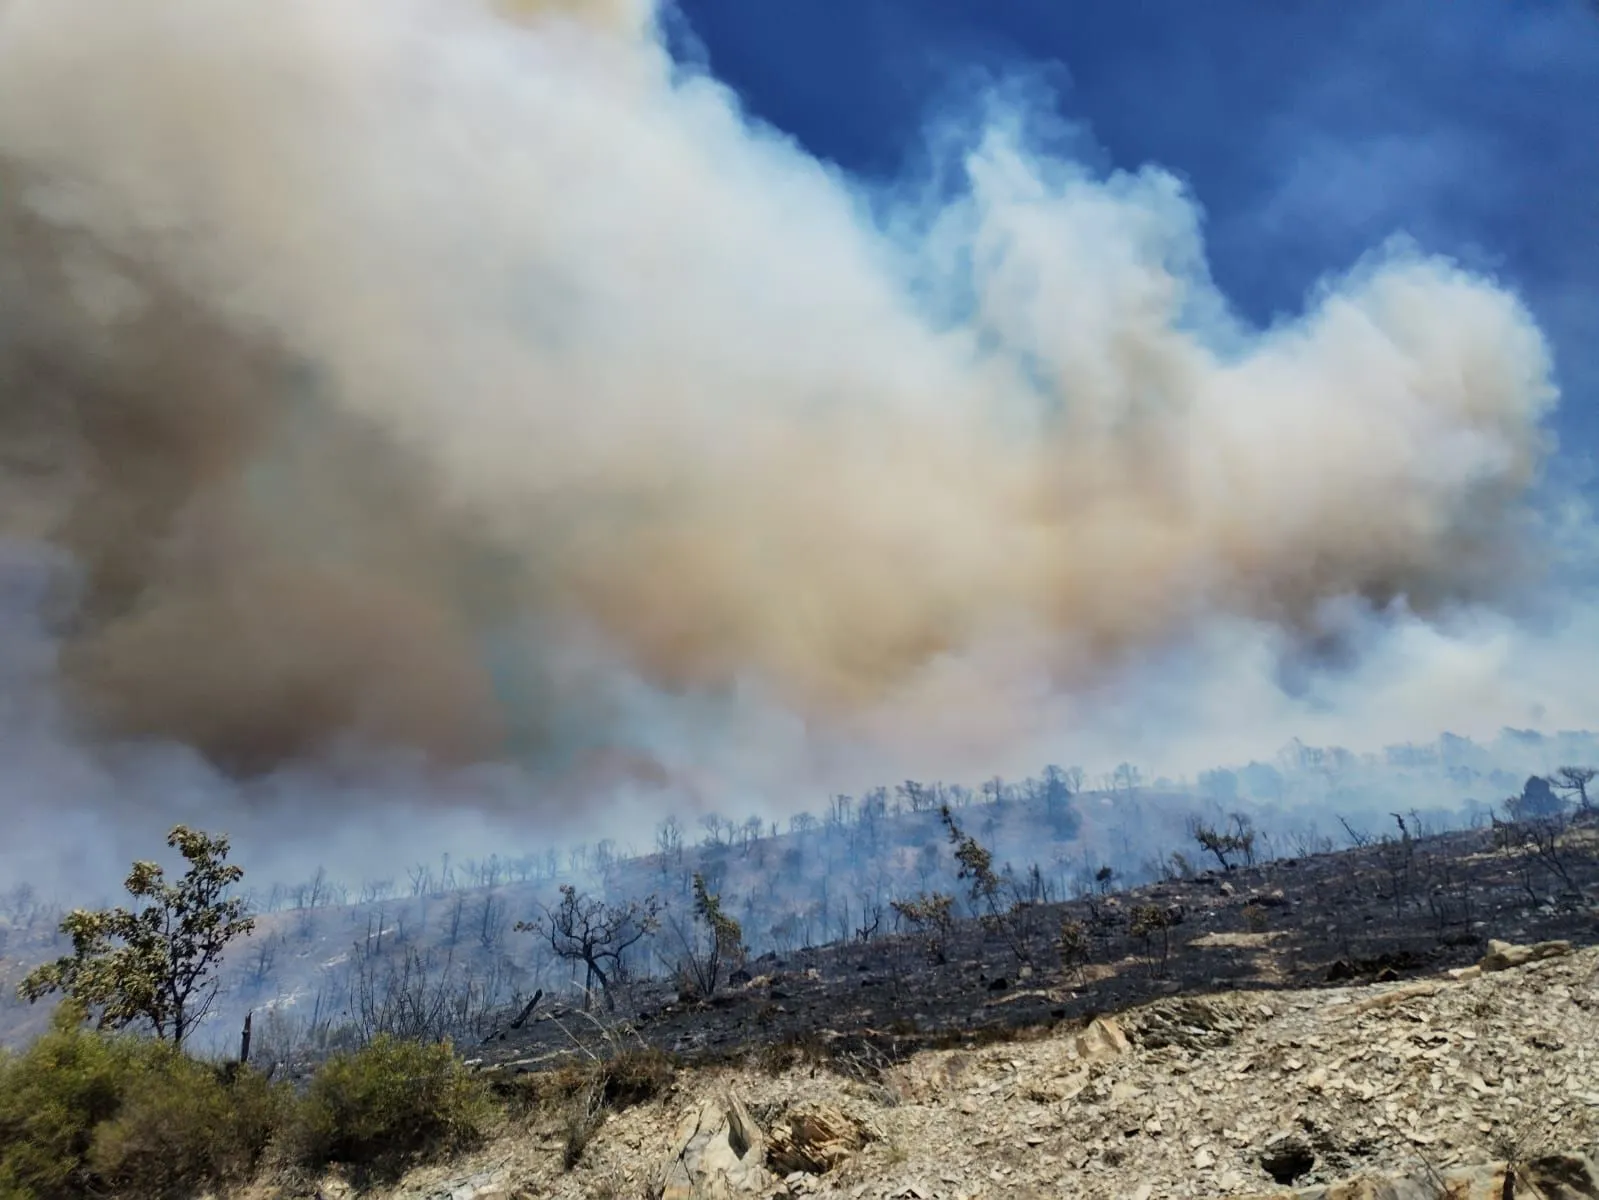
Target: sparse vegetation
x,y
1537,845
1152,925
1575,781
579,1096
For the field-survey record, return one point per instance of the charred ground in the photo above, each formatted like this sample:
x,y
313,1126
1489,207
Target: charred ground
x,y
1400,906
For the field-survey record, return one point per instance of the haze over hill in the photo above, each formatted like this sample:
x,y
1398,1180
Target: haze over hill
x,y
415,414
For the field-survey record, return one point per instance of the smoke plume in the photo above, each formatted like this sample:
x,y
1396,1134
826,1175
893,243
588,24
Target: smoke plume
x,y
472,380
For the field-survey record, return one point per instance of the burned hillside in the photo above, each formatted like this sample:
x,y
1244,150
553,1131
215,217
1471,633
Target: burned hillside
x,y
870,896
1399,906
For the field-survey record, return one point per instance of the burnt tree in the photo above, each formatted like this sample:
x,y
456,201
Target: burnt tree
x,y
583,929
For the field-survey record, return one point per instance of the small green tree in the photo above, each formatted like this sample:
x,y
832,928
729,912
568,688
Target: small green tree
x,y
1225,844
976,864
717,942
1073,946
1013,921
933,914
157,961
1148,920
387,1105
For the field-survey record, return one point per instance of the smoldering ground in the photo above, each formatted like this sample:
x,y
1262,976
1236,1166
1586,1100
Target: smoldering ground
x,y
442,383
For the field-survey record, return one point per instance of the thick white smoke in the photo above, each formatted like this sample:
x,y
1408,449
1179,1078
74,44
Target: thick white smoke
x,y
470,380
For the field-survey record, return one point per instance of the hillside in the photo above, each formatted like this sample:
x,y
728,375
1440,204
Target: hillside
x,y
1317,1017
1415,1002
328,949
1427,1085
1384,911
321,944
817,906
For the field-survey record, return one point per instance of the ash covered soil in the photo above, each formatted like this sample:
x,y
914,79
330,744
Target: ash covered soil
x,y
1397,910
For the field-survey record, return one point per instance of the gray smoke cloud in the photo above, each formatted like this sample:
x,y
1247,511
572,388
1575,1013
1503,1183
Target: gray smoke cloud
x,y
410,385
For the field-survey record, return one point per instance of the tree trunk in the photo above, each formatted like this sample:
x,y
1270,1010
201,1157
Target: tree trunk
x,y
605,987
521,1017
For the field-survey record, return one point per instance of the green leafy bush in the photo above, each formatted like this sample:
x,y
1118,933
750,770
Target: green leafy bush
x,y
51,1099
83,1113
88,1113
183,1121
389,1104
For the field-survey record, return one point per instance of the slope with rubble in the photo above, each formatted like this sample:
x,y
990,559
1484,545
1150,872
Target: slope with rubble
x,y
1345,1023
1481,1082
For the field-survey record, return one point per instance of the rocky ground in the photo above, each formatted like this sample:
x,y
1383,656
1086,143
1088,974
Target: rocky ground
x,y
1481,1082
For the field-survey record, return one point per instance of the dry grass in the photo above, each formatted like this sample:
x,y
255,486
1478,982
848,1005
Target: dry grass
x,y
577,1096
1240,941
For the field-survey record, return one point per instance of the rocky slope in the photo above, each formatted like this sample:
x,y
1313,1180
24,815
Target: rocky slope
x,y
1482,1082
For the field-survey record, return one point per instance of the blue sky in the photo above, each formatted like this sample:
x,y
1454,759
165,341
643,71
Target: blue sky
x,y
1307,132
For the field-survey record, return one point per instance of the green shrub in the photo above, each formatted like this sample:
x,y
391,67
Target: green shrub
x,y
385,1106
183,1121
84,1113
51,1098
